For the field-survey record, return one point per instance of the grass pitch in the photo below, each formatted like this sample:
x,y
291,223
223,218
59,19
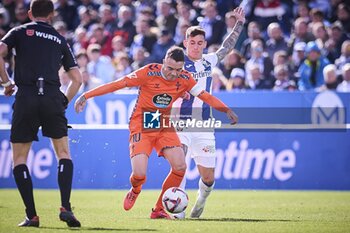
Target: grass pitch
x,y
226,211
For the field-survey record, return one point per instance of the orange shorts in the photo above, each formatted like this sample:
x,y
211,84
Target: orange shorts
x,y
144,142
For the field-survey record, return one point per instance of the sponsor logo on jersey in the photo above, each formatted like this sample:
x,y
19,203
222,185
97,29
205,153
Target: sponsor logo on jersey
x,y
30,32
162,100
48,36
154,73
202,74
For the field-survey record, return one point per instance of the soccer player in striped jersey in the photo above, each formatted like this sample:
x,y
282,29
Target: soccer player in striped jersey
x,y
201,145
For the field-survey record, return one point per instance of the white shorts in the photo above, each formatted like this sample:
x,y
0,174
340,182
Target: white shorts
x,y
200,146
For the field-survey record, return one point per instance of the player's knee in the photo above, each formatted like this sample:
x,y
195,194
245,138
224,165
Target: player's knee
x,y
139,173
180,167
208,180
63,153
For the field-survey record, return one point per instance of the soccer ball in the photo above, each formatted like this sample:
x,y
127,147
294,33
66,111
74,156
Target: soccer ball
x,y
175,200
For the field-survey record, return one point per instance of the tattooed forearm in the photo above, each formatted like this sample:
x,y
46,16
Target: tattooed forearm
x,y
230,41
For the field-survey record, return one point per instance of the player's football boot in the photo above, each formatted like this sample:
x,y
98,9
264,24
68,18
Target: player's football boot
x,y
130,199
159,213
180,215
69,218
198,208
34,222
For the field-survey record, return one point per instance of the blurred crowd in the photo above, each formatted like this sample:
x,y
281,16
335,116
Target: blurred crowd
x,y
286,45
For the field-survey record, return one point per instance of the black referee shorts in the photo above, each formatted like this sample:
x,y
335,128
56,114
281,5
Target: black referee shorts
x,y
31,112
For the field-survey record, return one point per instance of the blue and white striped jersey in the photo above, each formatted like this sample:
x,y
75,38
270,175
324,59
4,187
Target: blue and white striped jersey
x,y
201,71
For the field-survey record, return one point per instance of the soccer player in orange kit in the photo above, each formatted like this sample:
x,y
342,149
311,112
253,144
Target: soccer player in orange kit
x,y
159,86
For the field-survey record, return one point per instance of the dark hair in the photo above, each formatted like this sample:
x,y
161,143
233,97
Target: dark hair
x,y
194,31
41,8
317,12
176,53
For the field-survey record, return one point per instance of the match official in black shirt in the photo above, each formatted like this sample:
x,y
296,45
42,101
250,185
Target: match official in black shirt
x,y
39,52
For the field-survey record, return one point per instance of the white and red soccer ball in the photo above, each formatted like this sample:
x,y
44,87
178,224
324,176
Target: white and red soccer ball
x,y
175,200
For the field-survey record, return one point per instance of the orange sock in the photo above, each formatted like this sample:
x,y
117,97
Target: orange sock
x,y
137,182
173,180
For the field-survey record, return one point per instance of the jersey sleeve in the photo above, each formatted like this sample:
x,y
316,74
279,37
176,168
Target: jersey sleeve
x,y
10,38
212,58
193,87
136,78
68,59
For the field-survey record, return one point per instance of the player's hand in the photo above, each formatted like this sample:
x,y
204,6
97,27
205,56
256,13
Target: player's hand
x,y
80,103
239,14
186,96
232,116
9,90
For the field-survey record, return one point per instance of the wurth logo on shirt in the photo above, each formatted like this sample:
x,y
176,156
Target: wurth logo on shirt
x,y
30,32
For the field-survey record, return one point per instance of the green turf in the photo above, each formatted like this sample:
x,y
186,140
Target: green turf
x,y
226,211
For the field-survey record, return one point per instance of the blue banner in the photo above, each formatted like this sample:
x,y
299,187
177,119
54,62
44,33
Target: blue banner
x,y
253,159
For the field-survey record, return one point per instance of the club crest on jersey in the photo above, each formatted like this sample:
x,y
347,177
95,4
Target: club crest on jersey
x,y
30,32
162,100
178,85
206,64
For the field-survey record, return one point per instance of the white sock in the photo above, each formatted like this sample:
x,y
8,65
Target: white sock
x,y
183,183
204,190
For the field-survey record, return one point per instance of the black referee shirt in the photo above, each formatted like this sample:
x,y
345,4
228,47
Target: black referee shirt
x,y
39,51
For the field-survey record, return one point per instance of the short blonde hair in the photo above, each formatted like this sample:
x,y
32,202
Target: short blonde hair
x,y
329,68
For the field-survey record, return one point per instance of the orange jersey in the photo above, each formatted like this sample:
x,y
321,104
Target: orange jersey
x,y
155,92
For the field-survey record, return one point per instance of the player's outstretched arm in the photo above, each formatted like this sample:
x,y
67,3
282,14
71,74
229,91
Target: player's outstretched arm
x,y
230,41
100,90
218,105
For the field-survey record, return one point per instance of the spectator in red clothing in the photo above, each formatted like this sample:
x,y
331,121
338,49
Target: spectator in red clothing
x,y
118,45
103,38
80,39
